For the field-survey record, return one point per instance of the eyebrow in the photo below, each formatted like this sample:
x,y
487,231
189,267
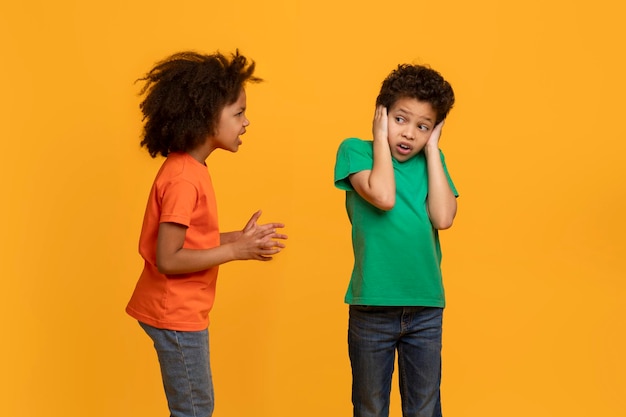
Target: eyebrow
x,y
402,110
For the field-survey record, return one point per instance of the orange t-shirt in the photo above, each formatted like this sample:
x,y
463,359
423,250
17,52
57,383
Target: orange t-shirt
x,y
182,193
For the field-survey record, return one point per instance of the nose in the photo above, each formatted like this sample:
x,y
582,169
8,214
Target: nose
x,y
409,133
246,122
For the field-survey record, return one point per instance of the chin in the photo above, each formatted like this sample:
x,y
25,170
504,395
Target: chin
x,y
404,158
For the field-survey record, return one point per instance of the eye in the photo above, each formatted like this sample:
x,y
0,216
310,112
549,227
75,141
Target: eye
x,y
423,128
399,119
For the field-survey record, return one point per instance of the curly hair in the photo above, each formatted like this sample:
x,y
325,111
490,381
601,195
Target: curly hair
x,y
421,83
184,96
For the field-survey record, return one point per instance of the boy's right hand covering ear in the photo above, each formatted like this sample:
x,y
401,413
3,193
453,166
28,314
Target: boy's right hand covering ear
x,y
259,242
380,124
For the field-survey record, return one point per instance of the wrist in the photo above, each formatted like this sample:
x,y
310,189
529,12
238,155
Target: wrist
x,y
232,254
380,139
430,150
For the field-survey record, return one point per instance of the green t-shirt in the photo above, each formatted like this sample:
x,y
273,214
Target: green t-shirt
x,y
397,255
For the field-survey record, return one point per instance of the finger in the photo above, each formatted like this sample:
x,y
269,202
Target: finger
x,y
267,232
256,216
380,122
436,133
252,222
271,245
378,114
267,255
264,235
262,232
270,252
272,225
278,239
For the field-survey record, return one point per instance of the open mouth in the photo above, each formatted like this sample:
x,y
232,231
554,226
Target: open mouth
x,y
404,148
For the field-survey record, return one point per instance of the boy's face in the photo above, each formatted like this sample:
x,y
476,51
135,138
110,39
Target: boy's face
x,y
410,123
231,124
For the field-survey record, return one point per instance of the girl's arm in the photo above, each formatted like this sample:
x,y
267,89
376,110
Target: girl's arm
x,y
441,201
228,237
253,242
378,185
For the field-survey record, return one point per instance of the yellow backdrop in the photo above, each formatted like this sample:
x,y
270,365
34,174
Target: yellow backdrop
x,y
534,266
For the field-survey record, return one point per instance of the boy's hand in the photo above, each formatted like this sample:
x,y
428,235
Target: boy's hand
x,y
380,125
433,141
259,241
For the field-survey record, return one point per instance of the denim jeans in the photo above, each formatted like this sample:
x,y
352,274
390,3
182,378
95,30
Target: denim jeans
x,y
374,335
185,369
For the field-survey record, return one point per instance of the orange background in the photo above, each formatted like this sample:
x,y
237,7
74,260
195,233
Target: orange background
x,y
534,266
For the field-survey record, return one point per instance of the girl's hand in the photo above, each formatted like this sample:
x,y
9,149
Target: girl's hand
x,y
259,242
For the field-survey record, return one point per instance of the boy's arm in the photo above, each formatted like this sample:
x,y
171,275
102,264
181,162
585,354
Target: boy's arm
x,y
378,185
441,202
253,242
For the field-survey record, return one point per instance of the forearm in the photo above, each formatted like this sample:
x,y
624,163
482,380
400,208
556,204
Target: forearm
x,y
441,201
229,237
255,241
382,182
185,260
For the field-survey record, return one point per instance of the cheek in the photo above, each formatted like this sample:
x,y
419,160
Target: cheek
x,y
422,141
425,135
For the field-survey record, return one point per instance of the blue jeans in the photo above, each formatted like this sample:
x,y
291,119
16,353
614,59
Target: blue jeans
x,y
374,335
185,369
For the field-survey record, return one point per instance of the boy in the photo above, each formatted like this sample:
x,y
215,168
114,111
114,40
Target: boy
x,y
398,195
194,104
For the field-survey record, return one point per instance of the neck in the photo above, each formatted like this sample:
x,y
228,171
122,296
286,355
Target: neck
x,y
202,152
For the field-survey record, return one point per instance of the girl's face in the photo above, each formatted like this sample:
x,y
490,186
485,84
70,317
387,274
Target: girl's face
x,y
231,124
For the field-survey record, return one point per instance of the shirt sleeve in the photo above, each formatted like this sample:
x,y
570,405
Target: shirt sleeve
x,y
353,155
178,201
445,169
